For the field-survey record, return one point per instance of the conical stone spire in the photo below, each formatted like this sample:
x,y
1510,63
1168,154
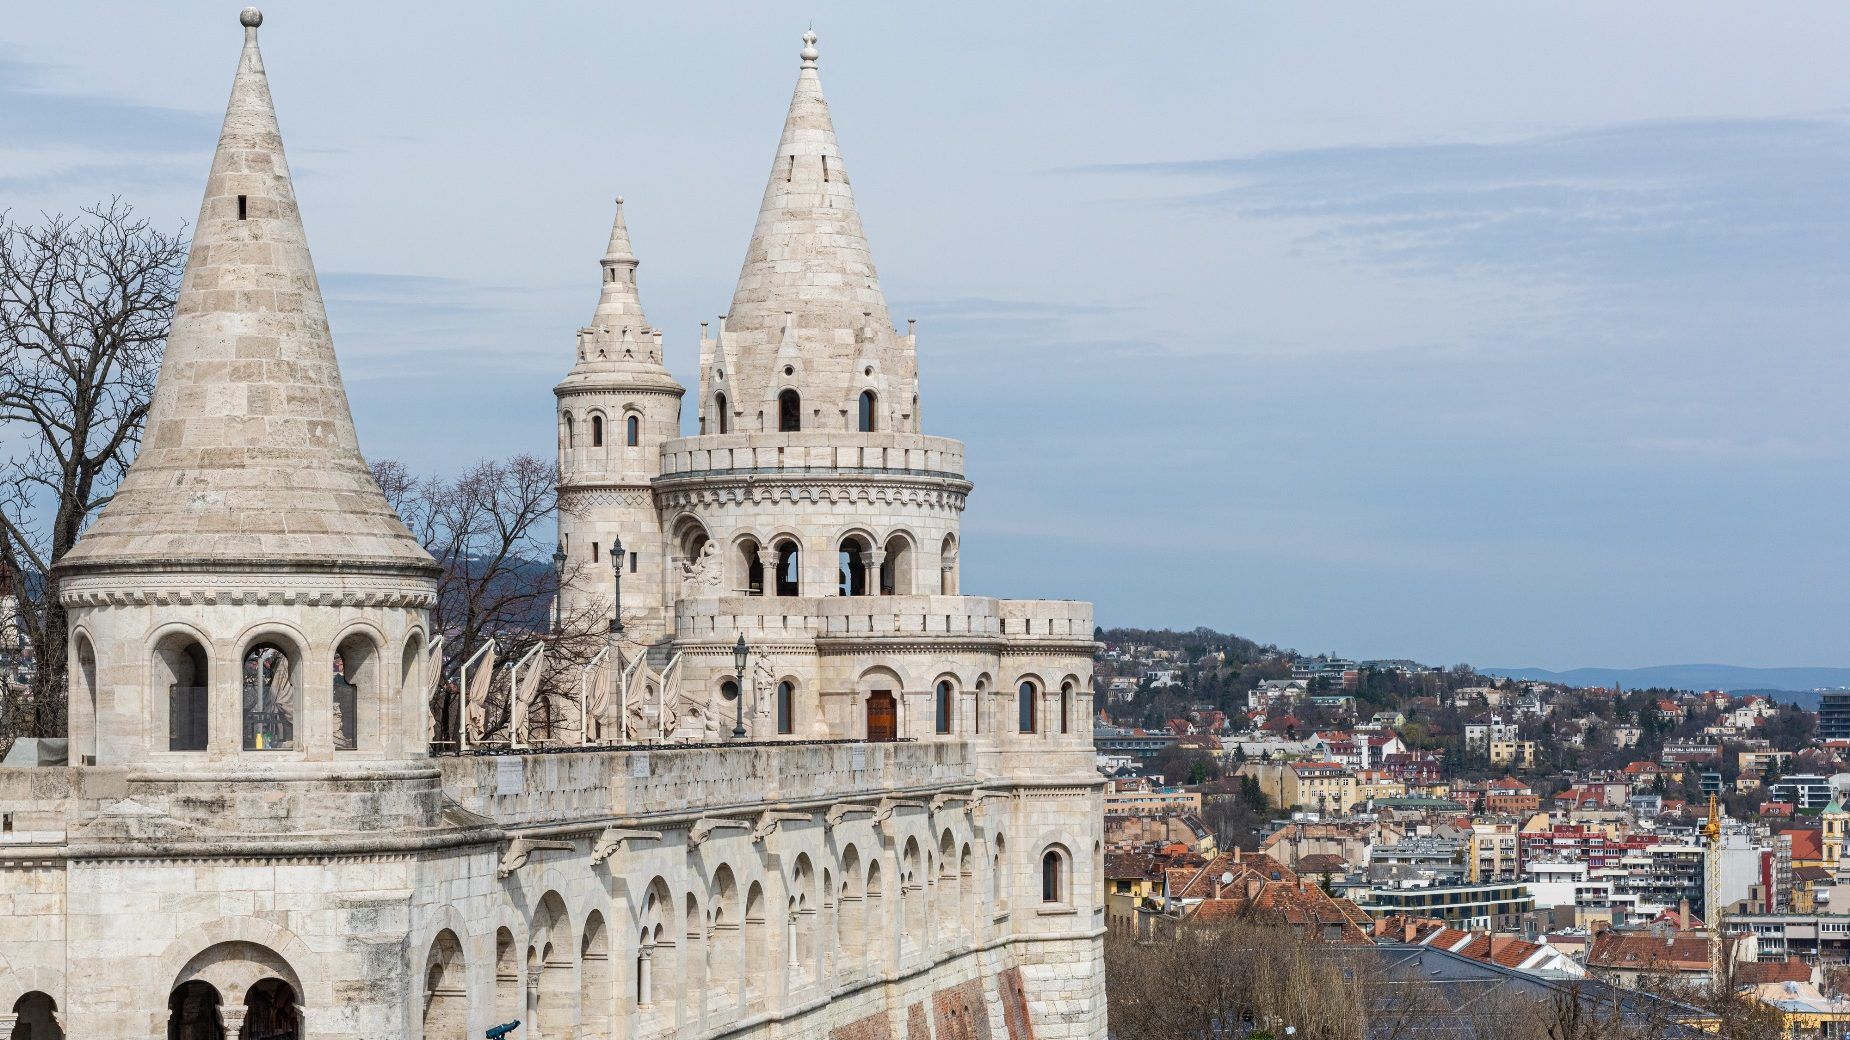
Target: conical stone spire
x,y
249,455
809,257
618,305
619,344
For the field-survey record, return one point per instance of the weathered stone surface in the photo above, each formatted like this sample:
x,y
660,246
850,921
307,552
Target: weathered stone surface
x,y
806,882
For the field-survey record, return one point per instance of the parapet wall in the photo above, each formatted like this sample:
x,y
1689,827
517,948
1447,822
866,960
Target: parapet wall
x,y
676,782
826,617
812,451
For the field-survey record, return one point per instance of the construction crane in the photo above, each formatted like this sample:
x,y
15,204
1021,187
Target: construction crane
x,y
1712,889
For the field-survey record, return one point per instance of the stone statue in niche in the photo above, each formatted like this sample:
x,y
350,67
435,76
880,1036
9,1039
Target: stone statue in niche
x,y
701,575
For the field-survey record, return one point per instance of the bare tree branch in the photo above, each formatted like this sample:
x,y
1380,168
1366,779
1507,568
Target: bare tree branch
x,y
85,305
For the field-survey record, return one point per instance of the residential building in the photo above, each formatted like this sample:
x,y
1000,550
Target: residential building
x,y
1139,795
1834,715
1493,852
1516,754
1805,790
1496,905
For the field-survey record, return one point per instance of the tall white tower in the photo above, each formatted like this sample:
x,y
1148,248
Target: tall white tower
x,y
616,407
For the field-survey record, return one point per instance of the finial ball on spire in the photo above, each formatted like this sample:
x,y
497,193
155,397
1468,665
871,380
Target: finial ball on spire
x,y
250,18
809,54
619,200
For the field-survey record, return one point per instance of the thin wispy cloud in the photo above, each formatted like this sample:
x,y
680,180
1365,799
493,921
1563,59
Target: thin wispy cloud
x,y
1647,201
32,115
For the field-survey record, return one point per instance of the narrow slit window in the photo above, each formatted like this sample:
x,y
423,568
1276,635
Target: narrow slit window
x,y
632,563
593,552
243,207
790,171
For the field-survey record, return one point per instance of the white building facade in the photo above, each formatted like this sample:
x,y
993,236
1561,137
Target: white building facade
x,y
255,837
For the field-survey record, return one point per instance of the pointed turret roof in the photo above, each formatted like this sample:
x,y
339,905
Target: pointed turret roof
x,y
808,252
618,305
619,349
809,259
249,455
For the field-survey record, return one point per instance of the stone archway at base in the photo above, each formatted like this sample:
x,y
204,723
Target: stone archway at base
x,y
235,990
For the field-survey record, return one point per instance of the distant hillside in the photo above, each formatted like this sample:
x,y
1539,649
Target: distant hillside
x,y
1691,677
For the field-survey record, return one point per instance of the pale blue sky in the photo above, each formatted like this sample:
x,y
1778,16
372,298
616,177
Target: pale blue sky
x,y
1449,331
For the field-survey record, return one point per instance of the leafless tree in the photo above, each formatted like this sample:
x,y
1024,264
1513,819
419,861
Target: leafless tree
x,y
490,530
85,305
1220,979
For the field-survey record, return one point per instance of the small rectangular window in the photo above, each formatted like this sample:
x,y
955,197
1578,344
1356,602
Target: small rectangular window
x,y
632,563
243,206
593,552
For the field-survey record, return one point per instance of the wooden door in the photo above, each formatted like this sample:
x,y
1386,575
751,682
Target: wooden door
x,y
882,716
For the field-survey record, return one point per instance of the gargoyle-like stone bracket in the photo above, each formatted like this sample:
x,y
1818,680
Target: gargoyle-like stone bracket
x,y
770,819
704,828
841,811
522,849
888,812
938,802
611,841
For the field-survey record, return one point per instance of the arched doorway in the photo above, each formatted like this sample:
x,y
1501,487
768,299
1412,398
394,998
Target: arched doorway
x,y
35,1017
192,1012
235,991
882,717
270,1012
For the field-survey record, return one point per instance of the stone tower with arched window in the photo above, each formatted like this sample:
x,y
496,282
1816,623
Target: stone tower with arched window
x,y
819,791
808,342
248,600
616,408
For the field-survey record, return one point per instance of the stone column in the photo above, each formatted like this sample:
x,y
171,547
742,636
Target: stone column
x,y
645,978
767,564
233,1018
873,562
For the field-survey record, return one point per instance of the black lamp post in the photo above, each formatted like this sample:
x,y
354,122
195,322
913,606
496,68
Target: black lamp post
x,y
558,591
741,655
616,572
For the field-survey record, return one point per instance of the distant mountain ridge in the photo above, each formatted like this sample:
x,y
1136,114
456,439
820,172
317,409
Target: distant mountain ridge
x,y
1690,677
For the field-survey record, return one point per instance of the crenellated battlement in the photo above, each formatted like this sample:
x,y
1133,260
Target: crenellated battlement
x,y
810,452
826,617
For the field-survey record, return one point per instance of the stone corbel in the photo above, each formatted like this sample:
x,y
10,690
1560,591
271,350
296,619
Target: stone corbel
x,y
611,841
889,811
938,802
704,828
769,820
522,849
841,811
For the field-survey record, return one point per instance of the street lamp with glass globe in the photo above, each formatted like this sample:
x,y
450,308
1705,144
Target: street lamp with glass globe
x,y
616,573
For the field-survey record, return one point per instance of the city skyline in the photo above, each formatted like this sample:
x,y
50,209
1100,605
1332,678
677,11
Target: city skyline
x,y
1299,336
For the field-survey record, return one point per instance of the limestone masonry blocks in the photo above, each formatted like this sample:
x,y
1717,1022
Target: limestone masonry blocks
x,y
263,831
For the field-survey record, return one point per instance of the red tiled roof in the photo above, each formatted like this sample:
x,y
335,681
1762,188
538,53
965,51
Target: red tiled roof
x,y
1756,974
1511,952
1806,844
1648,951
